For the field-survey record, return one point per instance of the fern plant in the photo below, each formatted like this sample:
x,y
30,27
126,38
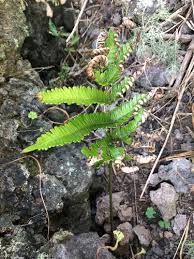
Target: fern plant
x,y
123,119
118,123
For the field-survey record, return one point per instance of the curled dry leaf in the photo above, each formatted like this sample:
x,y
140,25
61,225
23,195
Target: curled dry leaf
x,y
145,159
130,170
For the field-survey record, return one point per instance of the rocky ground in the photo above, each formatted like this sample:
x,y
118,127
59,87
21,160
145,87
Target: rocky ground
x,y
76,220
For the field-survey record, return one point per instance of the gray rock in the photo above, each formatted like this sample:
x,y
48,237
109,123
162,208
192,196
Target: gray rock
x,y
5,223
125,213
53,191
127,229
165,199
179,223
154,75
13,30
83,246
13,183
8,129
102,212
149,5
9,108
179,173
20,244
178,134
69,166
143,235
116,19
154,180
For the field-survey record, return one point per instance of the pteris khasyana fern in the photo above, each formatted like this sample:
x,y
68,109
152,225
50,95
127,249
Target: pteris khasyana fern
x,y
105,69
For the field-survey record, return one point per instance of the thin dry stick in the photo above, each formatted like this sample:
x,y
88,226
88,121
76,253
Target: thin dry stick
x,y
40,187
183,38
183,239
169,132
174,15
184,65
77,21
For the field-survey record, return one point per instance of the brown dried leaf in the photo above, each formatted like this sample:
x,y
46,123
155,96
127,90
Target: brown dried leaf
x,y
130,170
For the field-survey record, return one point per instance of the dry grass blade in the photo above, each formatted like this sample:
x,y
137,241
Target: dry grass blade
x,y
77,21
182,240
184,65
178,156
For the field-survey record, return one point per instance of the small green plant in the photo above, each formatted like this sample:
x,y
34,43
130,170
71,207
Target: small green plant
x,y
55,32
164,224
64,73
150,213
118,123
32,115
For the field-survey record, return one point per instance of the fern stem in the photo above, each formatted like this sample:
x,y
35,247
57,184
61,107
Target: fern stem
x,y
110,172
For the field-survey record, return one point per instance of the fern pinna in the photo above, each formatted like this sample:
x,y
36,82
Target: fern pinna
x,y
105,68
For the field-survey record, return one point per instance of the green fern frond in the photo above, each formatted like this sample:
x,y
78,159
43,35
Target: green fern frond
x,y
93,149
109,76
113,56
124,132
110,40
79,127
120,88
103,149
124,112
79,95
124,51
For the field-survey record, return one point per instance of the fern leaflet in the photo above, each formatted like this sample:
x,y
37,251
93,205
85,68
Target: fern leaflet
x,y
120,88
79,95
79,127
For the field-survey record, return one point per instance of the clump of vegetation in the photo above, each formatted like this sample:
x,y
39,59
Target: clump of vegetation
x,y
166,51
123,119
118,123
151,214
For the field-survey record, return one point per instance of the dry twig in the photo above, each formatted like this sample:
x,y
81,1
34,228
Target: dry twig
x,y
77,21
183,240
184,38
